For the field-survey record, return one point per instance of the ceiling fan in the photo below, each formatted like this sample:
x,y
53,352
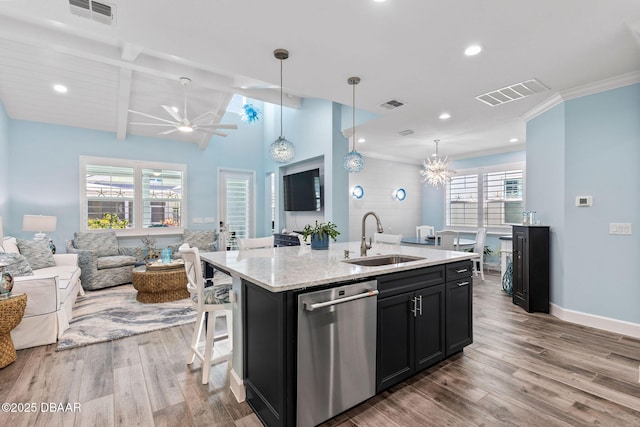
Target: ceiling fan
x,y
183,124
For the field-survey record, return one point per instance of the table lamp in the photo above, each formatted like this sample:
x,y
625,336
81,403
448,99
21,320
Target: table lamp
x,y
39,224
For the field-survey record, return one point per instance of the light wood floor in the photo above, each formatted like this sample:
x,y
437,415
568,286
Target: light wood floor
x,y
522,369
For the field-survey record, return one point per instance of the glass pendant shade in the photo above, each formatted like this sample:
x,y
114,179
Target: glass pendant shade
x,y
353,162
281,150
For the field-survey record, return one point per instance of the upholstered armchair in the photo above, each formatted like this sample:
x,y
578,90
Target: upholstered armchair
x,y
101,261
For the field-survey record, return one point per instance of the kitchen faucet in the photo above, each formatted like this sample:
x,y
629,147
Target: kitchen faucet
x,y
363,245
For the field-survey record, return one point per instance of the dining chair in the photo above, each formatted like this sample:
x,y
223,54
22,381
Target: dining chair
x,y
423,231
209,303
478,248
447,239
393,239
255,243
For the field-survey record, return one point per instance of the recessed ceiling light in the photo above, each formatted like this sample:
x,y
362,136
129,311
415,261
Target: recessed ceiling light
x,y
473,50
244,87
379,1
175,109
60,88
513,140
362,140
444,116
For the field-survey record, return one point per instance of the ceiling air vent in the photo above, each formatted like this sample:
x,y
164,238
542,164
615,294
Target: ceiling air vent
x,y
405,132
391,104
96,11
513,92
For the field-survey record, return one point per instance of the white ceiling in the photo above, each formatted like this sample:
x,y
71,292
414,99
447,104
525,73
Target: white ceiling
x,y
410,50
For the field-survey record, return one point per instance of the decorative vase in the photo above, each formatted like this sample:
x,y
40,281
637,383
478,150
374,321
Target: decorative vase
x,y
319,242
6,284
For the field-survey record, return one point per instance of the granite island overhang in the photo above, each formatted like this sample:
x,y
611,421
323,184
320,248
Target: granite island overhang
x,y
299,267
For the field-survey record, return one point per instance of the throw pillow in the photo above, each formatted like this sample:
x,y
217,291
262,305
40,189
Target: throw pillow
x,y
10,246
17,264
103,243
201,239
37,253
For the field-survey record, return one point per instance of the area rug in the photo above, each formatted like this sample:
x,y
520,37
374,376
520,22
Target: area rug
x,y
113,313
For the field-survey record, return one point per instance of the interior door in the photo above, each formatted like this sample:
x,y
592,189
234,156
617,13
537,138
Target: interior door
x,y
236,201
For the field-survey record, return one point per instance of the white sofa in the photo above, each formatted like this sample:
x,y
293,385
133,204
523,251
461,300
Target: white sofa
x,y
51,294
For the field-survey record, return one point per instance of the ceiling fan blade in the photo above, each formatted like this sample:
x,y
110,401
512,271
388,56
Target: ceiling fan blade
x,y
217,126
204,115
212,132
167,132
172,113
152,117
153,124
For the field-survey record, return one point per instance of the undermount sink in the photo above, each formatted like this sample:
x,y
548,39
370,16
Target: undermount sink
x,y
375,261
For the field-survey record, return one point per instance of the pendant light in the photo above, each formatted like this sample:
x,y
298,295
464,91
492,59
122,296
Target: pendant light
x,y
281,150
353,161
436,170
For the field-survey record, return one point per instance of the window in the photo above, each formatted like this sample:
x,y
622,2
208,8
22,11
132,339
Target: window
x,y
489,197
132,195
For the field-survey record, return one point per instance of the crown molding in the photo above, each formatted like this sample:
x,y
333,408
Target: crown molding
x,y
580,91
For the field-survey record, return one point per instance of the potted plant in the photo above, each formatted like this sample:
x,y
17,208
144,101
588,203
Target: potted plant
x,y
320,234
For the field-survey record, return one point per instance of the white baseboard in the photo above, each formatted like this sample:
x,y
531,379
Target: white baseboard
x,y
237,387
599,322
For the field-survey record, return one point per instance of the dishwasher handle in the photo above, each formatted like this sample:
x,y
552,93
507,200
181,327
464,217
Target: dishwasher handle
x,y
311,307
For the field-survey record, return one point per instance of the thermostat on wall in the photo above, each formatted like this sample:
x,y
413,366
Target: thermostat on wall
x,y
584,201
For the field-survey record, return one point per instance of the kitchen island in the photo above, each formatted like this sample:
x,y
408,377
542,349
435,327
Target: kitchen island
x,y
423,316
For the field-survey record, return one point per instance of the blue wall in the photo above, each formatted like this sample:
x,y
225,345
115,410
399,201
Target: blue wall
x,y
315,130
590,146
48,183
44,169
545,187
4,164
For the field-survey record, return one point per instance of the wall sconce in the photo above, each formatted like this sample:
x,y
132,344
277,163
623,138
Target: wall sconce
x,y
400,194
357,192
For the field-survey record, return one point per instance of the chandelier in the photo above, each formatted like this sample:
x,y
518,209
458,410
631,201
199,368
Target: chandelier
x,y
353,161
281,150
436,170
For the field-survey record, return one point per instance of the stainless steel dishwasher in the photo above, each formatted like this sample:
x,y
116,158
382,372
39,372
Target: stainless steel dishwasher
x,y
336,350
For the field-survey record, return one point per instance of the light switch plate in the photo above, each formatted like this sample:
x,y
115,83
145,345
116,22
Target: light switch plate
x,y
197,220
620,228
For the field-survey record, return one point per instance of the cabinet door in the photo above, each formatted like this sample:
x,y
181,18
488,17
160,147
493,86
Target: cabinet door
x,y
520,276
429,320
459,316
395,350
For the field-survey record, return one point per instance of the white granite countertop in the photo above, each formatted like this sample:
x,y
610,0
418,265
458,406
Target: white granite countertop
x,y
296,267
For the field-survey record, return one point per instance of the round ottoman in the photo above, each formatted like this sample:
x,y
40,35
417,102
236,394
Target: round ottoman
x,y
160,284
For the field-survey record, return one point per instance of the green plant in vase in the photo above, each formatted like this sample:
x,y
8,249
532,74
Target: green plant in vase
x,y
320,234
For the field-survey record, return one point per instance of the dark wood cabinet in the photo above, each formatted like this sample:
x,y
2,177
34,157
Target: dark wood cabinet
x,y
410,324
459,307
269,354
531,267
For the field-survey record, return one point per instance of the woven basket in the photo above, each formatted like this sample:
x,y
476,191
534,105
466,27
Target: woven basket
x,y
161,285
11,312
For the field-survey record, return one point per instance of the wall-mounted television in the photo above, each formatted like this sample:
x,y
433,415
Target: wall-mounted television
x,y
302,191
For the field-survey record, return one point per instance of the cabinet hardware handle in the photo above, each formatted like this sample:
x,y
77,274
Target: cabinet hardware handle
x,y
414,309
463,283
420,299
462,271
